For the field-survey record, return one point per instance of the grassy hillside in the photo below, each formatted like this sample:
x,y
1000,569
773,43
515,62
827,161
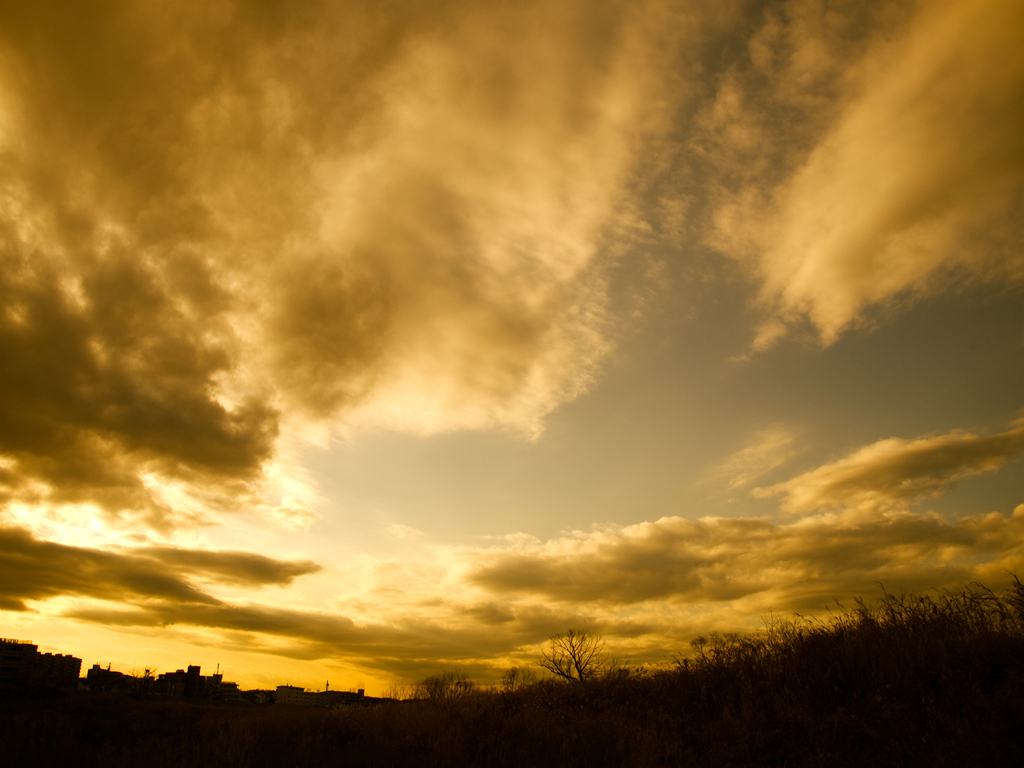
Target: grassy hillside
x,y
913,680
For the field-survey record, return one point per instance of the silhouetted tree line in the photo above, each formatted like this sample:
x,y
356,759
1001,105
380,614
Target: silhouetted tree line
x,y
912,680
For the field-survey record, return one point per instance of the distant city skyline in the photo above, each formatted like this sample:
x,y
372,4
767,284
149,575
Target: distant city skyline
x,y
23,664
368,341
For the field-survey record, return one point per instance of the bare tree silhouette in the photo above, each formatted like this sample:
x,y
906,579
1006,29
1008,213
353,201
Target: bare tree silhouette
x,y
516,678
141,679
574,655
447,685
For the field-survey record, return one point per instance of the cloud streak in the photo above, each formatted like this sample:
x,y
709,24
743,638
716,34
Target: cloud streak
x,y
893,472
719,559
916,180
34,569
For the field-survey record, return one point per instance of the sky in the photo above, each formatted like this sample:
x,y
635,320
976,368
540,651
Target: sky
x,y
359,341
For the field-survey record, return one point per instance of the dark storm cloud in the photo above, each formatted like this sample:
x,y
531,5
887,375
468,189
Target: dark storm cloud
x,y
33,569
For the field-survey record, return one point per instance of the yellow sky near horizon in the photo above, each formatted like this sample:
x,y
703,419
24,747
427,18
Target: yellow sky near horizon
x,y
358,340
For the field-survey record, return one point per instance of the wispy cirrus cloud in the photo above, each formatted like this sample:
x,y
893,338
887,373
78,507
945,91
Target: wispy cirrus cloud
x,y
766,450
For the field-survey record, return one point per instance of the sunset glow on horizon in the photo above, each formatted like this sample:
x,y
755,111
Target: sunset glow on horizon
x,y
359,341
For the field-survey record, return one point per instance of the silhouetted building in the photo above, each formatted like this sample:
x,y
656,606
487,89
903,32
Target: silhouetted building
x,y
21,662
100,679
14,659
294,696
220,690
59,668
257,696
334,698
171,684
190,684
194,687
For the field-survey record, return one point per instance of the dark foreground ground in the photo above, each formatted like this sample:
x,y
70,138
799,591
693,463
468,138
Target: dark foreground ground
x,y
913,681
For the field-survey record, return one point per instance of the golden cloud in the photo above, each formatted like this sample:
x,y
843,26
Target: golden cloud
x,y
39,570
892,472
915,179
721,559
220,225
224,227
649,587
